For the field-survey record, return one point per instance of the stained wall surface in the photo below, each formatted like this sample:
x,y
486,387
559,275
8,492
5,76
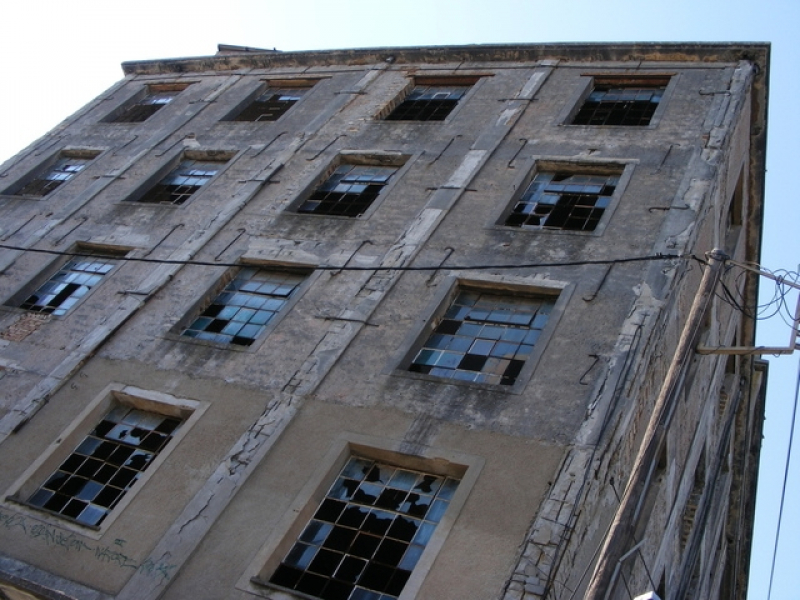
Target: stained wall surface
x,y
267,425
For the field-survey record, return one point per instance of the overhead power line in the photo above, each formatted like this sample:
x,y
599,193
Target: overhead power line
x,y
202,263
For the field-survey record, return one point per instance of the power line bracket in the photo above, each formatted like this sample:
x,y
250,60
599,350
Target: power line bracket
x,y
761,350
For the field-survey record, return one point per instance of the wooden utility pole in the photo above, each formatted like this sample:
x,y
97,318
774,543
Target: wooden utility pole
x,y
618,539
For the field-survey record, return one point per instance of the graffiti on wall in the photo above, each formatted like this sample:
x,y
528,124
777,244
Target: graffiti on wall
x,y
69,542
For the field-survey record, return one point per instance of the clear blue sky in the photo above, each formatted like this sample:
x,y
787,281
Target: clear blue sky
x,y
56,56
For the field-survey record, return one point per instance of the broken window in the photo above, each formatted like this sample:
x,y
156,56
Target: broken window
x,y
105,465
157,97
182,182
349,191
484,337
72,282
271,104
622,101
368,533
429,103
564,200
64,169
244,308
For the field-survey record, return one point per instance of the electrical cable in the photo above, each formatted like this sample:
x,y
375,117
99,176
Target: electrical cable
x,y
785,479
574,263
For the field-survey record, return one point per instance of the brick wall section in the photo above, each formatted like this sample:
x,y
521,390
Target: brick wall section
x,y
24,326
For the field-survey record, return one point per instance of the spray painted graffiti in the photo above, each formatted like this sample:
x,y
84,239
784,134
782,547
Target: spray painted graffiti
x,y
70,542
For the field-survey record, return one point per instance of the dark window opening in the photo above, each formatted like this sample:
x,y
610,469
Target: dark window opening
x,y
143,110
71,283
693,501
367,534
736,204
64,169
272,104
568,201
428,103
182,182
484,338
349,192
244,308
620,102
158,96
105,465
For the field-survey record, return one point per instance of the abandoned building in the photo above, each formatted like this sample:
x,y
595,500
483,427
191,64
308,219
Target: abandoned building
x,y
441,323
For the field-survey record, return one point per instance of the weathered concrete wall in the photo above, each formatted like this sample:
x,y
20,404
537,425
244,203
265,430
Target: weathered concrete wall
x,y
329,368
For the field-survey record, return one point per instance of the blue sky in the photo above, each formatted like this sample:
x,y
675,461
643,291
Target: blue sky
x,y
57,56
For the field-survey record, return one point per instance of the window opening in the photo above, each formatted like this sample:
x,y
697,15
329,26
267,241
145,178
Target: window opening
x,y
367,534
349,192
272,104
65,168
428,103
736,204
182,182
71,283
242,311
157,98
484,338
621,102
105,465
693,501
560,200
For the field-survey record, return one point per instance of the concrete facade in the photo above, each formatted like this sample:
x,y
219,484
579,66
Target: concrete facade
x,y
544,461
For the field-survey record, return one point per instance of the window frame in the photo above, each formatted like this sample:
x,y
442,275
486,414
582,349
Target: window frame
x,y
474,81
262,88
115,394
224,157
536,164
147,89
586,86
400,160
45,167
534,287
255,579
216,288
51,269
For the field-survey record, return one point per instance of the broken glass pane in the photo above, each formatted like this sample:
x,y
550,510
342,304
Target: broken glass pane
x,y
183,181
360,551
428,103
62,171
240,317
567,201
349,191
617,104
270,105
106,463
70,283
482,349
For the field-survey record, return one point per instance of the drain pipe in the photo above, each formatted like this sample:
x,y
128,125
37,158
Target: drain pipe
x,y
623,526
